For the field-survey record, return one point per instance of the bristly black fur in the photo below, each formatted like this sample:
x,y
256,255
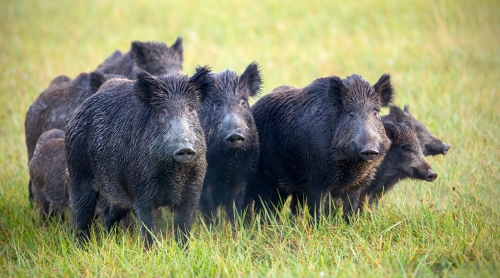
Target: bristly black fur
x,y
97,78
202,81
252,78
146,158
232,140
315,141
384,88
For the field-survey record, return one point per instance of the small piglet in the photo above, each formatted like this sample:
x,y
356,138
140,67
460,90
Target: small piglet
x,y
49,175
55,105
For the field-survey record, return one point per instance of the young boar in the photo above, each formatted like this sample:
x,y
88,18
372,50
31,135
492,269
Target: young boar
x,y
403,160
153,57
431,145
55,105
49,176
140,145
326,138
232,140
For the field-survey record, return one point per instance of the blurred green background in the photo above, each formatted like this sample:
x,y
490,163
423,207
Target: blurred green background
x,y
444,57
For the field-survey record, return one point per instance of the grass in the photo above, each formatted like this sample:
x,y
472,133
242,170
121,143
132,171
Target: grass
x,y
443,56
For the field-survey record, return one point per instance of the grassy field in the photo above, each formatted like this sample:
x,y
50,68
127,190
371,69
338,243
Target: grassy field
x,y
444,57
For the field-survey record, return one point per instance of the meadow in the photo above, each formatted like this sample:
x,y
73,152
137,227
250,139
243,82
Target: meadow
x,y
443,56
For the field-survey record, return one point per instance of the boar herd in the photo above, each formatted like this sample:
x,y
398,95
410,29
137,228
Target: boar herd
x,y
136,135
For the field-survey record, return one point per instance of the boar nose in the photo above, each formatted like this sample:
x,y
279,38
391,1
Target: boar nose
x,y
185,155
446,148
431,176
369,154
235,140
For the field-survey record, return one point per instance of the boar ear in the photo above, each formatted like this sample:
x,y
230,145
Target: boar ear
x,y
252,78
97,78
407,108
147,87
138,51
396,114
177,46
202,81
391,130
337,89
384,89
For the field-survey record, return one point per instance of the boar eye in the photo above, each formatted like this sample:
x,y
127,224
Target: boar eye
x,y
243,103
351,114
191,110
375,113
407,148
217,105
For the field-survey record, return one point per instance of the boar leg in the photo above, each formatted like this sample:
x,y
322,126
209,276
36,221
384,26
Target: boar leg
x,y
351,202
144,212
208,207
296,203
185,212
237,200
83,203
315,202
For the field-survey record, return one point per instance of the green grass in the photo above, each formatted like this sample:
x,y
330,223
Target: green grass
x,y
444,57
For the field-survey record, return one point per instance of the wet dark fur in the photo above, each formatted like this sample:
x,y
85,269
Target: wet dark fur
x,y
226,111
48,175
55,105
307,139
156,58
121,145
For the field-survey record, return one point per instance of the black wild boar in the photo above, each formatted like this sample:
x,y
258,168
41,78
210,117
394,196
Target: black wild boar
x,y
232,140
55,105
431,145
140,145
326,138
403,160
403,130
153,57
49,176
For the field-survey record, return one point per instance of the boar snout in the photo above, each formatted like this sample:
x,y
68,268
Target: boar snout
x,y
185,155
369,154
446,148
235,140
431,175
